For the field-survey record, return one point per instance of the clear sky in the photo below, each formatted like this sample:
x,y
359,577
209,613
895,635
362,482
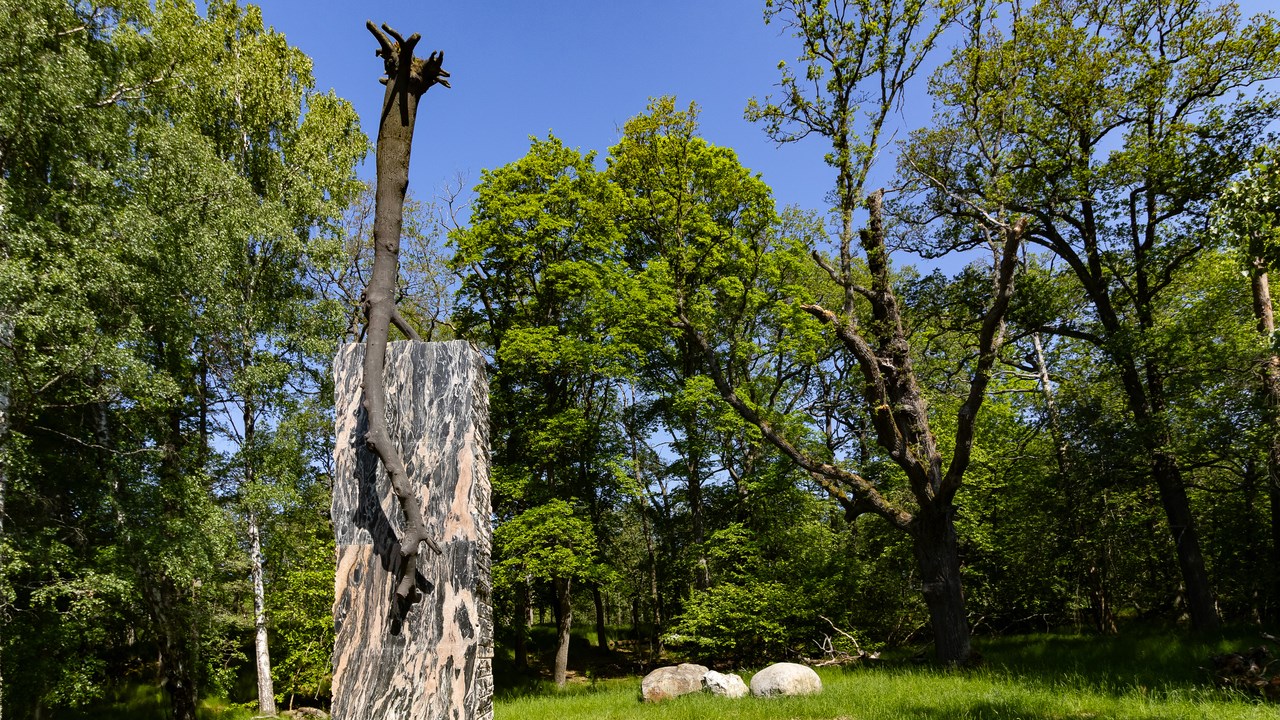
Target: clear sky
x,y
577,68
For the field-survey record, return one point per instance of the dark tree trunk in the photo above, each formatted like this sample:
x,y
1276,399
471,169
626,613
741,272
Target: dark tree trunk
x,y
523,617
1177,507
176,656
937,554
602,633
564,623
6,334
900,415
407,78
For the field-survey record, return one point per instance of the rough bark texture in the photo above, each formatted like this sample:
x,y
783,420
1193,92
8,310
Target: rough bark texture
x,y
407,78
937,555
424,660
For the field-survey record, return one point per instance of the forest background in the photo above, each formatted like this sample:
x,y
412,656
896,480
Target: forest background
x,y
719,429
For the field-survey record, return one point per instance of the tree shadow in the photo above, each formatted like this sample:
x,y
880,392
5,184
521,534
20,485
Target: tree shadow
x,y
372,486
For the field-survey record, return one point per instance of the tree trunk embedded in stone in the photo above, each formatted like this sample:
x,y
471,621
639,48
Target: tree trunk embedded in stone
x,y
433,658
406,79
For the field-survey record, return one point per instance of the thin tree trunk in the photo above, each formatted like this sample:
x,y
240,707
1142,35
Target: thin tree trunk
x,y
262,655
1104,620
1263,311
693,486
564,623
524,619
261,651
938,557
602,635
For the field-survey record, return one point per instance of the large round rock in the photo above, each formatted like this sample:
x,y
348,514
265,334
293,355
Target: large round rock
x,y
672,681
785,679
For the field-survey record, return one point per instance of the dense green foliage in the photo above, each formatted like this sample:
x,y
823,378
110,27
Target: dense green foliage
x,y
183,241
164,175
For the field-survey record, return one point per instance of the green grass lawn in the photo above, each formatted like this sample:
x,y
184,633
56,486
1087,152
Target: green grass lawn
x,y
1040,677
1142,675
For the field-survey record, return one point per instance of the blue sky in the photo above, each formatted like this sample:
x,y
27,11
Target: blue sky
x,y
578,68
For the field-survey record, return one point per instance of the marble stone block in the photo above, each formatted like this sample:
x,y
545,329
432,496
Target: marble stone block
x,y
432,659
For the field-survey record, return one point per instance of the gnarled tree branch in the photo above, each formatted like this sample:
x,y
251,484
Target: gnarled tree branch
x,y
406,79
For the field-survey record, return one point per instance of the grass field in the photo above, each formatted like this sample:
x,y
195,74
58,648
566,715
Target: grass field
x,y
1141,675
1043,677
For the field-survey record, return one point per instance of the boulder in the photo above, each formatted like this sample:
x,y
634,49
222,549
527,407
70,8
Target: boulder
x,y
730,686
306,712
672,681
785,679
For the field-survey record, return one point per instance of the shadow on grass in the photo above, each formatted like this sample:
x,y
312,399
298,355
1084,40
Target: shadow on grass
x,y
147,702
589,664
1140,659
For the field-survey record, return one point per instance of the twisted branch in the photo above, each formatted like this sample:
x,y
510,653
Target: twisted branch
x,y
406,79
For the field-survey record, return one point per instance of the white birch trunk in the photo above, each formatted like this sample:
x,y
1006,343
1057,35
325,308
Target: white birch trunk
x,y
262,657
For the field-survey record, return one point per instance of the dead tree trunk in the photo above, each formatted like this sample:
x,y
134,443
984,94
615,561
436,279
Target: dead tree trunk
x,y
407,78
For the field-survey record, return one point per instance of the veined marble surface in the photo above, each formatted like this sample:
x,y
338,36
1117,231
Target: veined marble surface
x,y
431,660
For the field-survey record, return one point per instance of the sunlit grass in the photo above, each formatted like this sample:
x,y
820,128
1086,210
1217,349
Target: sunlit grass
x,y
1038,678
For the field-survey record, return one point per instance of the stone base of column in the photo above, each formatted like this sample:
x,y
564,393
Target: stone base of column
x,y
432,659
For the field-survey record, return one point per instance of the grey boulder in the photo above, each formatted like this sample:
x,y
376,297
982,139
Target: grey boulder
x,y
785,679
730,685
672,681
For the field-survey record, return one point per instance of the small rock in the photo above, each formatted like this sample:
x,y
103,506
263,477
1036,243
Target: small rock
x,y
785,679
730,686
306,712
672,681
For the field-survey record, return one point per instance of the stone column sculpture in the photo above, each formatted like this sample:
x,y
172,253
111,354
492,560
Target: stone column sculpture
x,y
429,659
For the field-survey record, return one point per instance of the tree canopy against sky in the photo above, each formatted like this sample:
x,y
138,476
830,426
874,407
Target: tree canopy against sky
x,y
525,69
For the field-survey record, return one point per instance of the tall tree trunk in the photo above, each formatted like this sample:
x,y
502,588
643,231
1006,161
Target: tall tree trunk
x,y
524,618
564,623
261,653
173,607
602,633
937,553
177,657
1264,312
407,78
1177,507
